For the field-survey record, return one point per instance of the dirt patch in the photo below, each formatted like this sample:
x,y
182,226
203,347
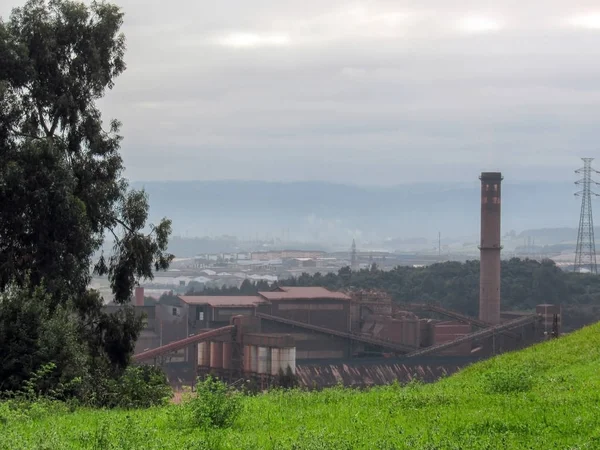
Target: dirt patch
x,y
177,397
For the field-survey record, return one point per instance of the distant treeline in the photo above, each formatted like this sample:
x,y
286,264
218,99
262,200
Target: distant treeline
x,y
246,288
455,285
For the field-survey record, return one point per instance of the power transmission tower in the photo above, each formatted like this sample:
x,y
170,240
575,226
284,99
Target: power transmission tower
x,y
353,256
585,254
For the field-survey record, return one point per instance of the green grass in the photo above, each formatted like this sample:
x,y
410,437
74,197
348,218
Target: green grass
x,y
545,397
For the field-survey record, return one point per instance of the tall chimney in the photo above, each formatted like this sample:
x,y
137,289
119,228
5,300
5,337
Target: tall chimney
x,y
139,296
489,278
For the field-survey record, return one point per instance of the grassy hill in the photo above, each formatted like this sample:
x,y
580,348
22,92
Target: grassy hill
x,y
545,397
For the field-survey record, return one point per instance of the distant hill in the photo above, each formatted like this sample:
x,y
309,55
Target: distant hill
x,y
333,213
554,235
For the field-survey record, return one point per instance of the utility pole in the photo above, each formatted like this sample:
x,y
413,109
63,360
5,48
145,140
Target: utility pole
x,y
585,253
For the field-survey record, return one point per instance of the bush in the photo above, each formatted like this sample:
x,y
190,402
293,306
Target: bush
x,y
214,404
143,387
34,336
137,387
508,380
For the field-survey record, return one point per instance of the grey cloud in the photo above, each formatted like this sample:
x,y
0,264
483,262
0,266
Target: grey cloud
x,y
356,95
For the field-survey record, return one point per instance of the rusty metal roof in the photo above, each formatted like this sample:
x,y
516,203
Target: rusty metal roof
x,y
303,293
356,374
222,301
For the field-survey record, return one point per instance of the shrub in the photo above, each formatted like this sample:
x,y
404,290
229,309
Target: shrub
x,y
143,387
508,380
137,387
34,336
214,404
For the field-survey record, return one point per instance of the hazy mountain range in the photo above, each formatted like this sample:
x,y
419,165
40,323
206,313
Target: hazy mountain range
x,y
334,213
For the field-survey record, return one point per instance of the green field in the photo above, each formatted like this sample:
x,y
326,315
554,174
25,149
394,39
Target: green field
x,y
545,397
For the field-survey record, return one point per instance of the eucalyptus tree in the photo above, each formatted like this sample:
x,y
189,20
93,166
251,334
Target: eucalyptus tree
x,y
62,187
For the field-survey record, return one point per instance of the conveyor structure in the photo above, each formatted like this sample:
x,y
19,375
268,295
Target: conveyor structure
x,y
401,348
481,334
178,345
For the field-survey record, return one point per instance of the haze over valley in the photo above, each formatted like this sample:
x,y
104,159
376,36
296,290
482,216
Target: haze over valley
x,y
402,217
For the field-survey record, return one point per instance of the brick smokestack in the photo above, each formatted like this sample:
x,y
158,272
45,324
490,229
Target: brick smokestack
x,y
139,296
489,281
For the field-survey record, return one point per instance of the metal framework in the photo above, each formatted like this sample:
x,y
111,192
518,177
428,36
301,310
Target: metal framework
x,y
353,256
585,254
449,313
481,334
177,345
396,346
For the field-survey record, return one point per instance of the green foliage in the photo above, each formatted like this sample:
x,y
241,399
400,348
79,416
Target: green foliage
x,y
143,387
213,405
110,336
20,409
509,380
246,288
35,338
455,285
44,346
32,388
136,387
63,192
61,171
558,408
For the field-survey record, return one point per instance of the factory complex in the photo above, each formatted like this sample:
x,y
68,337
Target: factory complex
x,y
325,338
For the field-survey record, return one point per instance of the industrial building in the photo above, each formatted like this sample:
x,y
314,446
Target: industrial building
x,y
327,337
355,337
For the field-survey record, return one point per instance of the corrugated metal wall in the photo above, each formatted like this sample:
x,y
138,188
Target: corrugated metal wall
x,y
328,313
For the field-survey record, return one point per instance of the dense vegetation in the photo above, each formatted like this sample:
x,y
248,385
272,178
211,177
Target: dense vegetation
x,y
455,285
61,191
525,283
246,288
544,397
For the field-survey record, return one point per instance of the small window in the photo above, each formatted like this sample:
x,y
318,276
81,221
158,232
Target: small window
x,y
174,311
487,187
199,314
495,188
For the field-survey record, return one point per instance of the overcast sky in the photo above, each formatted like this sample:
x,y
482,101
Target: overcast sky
x,y
368,92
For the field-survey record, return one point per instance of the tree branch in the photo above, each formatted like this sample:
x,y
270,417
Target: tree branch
x,y
25,135
115,236
54,124
42,121
124,225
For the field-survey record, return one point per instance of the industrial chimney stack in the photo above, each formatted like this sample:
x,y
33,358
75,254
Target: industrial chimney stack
x,y
139,296
489,281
